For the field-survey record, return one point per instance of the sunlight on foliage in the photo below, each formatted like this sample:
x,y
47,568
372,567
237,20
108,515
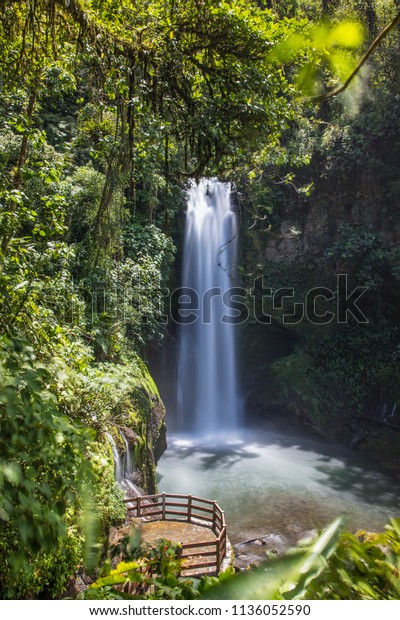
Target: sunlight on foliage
x,y
319,48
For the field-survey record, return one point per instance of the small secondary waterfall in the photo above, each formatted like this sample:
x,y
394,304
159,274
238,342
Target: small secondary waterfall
x,y
123,465
208,399
127,458
119,472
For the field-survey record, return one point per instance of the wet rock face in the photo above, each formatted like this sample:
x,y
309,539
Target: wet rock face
x,y
149,444
289,249
158,430
253,552
140,432
309,226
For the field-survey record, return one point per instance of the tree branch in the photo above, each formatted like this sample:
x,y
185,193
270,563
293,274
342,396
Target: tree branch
x,y
362,62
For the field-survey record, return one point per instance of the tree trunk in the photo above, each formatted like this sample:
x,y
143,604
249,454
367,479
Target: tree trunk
x,y
25,140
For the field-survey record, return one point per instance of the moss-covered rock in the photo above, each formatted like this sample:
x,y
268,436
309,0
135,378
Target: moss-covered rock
x,y
140,415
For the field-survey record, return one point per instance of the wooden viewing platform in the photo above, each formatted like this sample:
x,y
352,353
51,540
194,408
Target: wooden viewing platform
x,y
197,524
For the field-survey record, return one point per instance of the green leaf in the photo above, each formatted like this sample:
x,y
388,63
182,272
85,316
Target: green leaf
x,y
285,578
13,473
171,580
120,575
346,34
4,516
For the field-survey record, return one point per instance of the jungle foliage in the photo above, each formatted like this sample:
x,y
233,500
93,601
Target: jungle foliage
x,y
337,215
333,565
107,108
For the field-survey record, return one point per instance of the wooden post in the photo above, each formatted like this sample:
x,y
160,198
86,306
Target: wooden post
x,y
178,554
223,540
138,506
223,531
218,554
163,506
189,508
214,523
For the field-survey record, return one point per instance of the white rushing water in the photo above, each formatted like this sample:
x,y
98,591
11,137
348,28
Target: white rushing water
x,y
208,398
128,469
123,465
118,465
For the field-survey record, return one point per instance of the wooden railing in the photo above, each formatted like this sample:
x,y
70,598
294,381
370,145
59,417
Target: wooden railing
x,y
198,558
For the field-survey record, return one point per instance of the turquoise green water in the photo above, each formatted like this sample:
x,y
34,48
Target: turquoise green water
x,y
280,487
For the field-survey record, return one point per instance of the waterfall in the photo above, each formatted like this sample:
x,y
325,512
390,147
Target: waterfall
x,y
208,400
119,471
127,457
123,465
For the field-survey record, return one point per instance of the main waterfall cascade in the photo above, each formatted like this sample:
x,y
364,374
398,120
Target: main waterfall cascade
x,y
208,396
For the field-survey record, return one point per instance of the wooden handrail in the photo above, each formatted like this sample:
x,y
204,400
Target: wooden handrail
x,y
199,545
171,495
165,505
